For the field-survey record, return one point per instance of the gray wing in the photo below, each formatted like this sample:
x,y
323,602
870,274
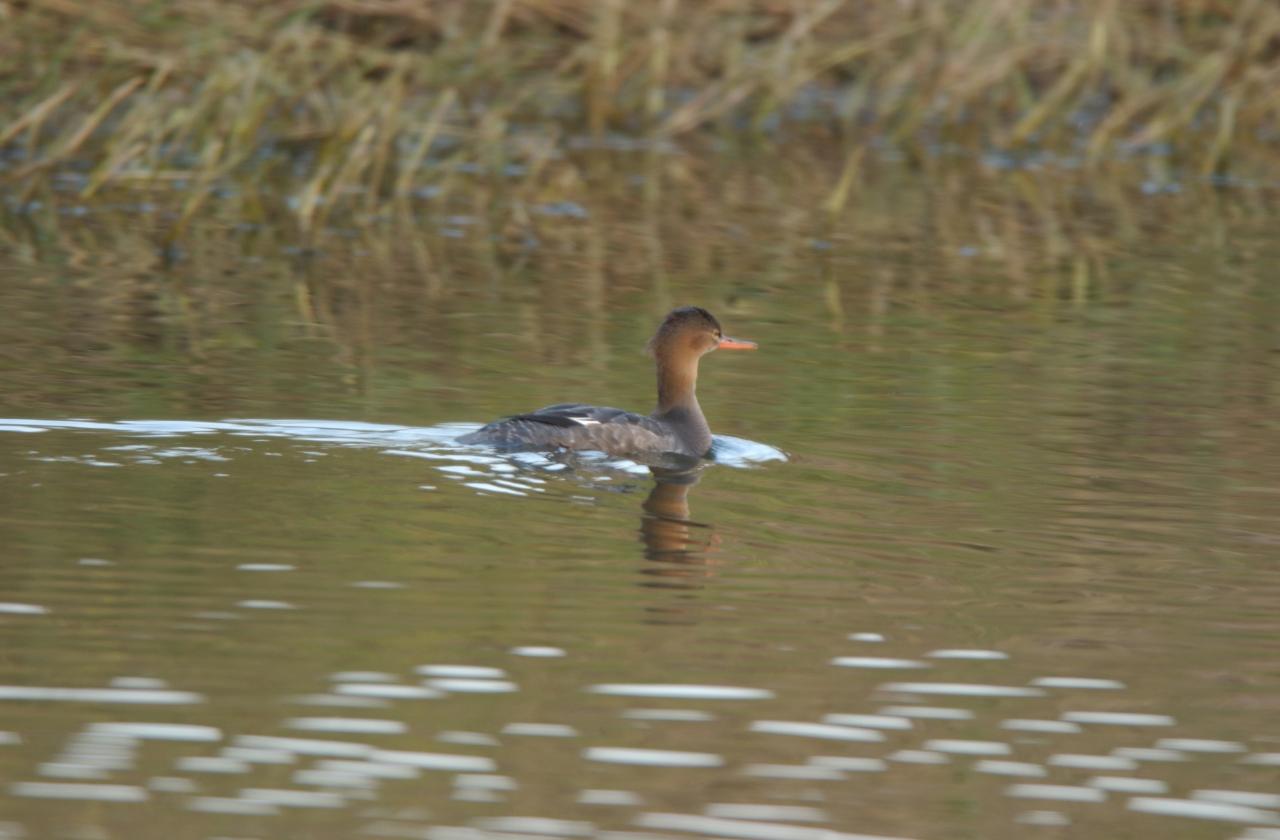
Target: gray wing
x,y
576,426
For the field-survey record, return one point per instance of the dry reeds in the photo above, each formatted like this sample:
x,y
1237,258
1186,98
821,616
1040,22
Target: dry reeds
x,y
357,103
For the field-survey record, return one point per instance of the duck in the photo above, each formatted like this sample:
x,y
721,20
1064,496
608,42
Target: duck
x,y
676,426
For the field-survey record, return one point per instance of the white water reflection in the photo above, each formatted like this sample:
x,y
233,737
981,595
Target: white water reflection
x,y
157,731
99,695
816,730
682,692
459,685
478,672
1061,727
73,790
767,813
743,829
388,691
876,662
959,746
332,774
652,758
977,654
1199,809
1118,718
869,721
1200,745
1127,784
927,712
355,726
506,473
961,689
1000,767
1078,683
1252,798
13,608
1062,793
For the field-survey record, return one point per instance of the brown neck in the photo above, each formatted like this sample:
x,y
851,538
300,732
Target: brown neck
x,y
678,404
677,384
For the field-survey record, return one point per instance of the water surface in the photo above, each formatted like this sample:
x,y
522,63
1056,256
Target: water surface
x,y
989,550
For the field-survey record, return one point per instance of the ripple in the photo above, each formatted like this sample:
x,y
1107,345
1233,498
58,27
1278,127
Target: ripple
x,y
967,653
802,772
1198,809
305,746
435,761
1047,726
743,829
876,662
373,769
1251,798
957,746
1009,768
678,715
14,608
919,757
171,784
617,798
740,452
538,651
1091,762
1265,759
73,790
681,692
211,764
1118,718
752,812
159,731
315,777
470,739
1087,683
231,805
357,726
387,691
286,798
869,721
816,730
263,604
927,712
1200,745
1062,793
1127,784
652,758
99,695
258,755
540,730
1149,754
476,672
542,826
853,764
468,686
962,689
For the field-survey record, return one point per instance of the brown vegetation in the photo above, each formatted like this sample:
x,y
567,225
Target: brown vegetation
x,y
357,102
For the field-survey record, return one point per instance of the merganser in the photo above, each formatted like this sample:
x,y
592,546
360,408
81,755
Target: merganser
x,y
677,425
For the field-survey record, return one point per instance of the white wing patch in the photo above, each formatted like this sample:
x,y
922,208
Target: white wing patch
x,y
584,421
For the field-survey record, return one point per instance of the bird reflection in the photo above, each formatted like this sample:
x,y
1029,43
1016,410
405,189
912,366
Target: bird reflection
x,y
678,548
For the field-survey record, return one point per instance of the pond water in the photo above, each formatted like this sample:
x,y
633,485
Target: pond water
x,y
989,550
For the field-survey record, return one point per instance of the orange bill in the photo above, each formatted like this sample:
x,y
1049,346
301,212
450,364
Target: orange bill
x,y
727,343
